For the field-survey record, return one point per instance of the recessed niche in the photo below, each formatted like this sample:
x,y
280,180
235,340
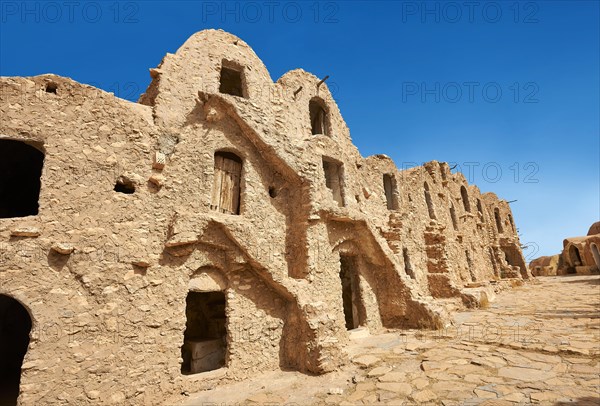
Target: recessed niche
x,y
124,185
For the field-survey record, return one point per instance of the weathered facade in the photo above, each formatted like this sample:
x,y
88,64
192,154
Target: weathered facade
x,y
580,255
223,225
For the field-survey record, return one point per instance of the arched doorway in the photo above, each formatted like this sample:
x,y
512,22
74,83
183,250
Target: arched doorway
x,y
596,254
575,257
15,325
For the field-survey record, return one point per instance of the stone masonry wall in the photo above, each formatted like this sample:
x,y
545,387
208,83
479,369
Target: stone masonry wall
x,y
105,275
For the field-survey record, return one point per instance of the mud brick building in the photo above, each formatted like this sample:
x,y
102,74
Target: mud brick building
x,y
223,225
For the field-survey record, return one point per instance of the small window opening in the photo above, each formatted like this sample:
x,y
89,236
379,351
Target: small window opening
x,y
391,191
51,87
227,183
465,198
453,217
354,311
319,119
231,81
429,202
272,192
407,266
20,172
334,180
124,185
498,221
205,338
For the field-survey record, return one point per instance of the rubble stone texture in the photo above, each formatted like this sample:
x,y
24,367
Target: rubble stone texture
x,y
221,180
580,255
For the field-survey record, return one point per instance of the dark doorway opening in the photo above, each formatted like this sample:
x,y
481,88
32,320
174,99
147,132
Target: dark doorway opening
x,y
513,257
595,254
20,171
15,325
205,338
575,256
354,311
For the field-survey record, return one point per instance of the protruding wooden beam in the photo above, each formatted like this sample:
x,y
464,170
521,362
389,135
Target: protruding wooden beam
x,y
297,91
322,80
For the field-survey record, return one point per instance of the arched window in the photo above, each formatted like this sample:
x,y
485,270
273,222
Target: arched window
x,y
453,217
512,222
498,220
20,171
465,198
429,202
227,183
480,210
319,118
391,191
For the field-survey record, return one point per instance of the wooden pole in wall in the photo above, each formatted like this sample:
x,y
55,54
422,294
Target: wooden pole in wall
x,y
323,81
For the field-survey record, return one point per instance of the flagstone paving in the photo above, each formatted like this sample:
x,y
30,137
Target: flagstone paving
x,y
536,344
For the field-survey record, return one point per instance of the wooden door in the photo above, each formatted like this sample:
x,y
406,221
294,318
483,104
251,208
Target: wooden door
x,y
226,185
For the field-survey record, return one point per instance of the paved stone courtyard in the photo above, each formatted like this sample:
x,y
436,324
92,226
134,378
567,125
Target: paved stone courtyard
x,y
537,343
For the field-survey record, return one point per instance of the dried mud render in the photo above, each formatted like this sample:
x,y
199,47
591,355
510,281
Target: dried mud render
x,y
104,275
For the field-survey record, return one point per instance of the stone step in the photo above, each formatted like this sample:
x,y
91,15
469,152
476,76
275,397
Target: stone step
x,y
360,332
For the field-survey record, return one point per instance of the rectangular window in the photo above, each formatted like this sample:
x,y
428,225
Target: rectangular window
x,y
21,164
232,80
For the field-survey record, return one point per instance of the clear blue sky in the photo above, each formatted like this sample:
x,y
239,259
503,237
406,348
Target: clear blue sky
x,y
417,84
